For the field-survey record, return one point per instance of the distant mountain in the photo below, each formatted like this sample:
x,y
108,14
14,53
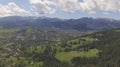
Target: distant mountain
x,y
82,24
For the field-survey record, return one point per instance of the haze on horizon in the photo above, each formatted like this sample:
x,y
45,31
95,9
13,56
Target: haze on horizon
x,y
61,8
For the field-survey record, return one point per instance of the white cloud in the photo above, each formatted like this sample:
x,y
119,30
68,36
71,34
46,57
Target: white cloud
x,y
70,6
100,5
44,6
66,5
11,9
41,7
90,6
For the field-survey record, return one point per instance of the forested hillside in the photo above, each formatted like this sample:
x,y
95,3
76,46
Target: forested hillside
x,y
36,48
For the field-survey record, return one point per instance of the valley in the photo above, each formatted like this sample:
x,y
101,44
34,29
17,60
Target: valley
x,y
30,48
51,42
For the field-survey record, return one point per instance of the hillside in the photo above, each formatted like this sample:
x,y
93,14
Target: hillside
x,y
28,48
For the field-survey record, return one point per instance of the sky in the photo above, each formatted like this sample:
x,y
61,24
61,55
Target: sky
x,y
61,8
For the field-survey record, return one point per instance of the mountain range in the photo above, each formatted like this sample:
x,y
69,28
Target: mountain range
x,y
45,23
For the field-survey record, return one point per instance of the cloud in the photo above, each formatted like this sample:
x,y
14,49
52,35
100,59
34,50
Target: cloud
x,y
70,6
100,5
11,9
44,6
66,5
41,7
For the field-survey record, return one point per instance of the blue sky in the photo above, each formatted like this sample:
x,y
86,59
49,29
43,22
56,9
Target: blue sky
x,y
61,8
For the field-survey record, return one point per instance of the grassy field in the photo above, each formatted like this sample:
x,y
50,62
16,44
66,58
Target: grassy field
x,y
4,34
8,30
67,56
117,30
79,42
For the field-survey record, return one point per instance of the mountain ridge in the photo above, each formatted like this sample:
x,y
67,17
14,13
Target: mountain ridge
x,y
82,24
